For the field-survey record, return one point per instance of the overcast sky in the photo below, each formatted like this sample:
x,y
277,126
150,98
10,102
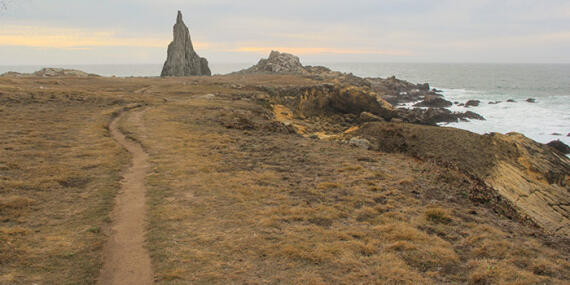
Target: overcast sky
x,y
138,31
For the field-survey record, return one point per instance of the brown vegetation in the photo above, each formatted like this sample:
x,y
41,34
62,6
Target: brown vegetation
x,y
236,197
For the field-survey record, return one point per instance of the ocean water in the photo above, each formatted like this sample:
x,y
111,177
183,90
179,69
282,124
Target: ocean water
x,y
546,120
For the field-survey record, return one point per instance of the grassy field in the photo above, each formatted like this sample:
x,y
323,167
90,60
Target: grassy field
x,y
235,201
235,197
59,173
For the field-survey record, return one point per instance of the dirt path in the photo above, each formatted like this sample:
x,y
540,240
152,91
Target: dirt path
x,y
126,261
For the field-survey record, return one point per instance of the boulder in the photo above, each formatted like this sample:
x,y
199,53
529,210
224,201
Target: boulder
x,y
531,100
278,62
182,60
560,146
471,115
423,87
360,142
434,102
369,117
472,103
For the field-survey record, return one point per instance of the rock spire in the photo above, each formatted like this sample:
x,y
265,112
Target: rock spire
x,y
182,60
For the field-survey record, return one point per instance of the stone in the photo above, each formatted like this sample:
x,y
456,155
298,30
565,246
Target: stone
x,y
471,115
423,87
434,101
182,60
360,142
472,103
278,62
531,100
511,101
560,146
369,117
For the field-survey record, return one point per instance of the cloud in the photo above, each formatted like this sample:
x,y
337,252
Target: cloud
x,y
320,50
72,38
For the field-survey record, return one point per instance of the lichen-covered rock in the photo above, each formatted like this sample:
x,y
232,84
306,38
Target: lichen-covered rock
x,y
182,60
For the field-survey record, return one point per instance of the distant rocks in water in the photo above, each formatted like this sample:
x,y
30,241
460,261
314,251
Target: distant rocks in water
x,y
433,116
471,115
511,101
531,100
556,134
560,146
278,62
434,101
495,102
51,72
182,60
423,86
472,103
397,91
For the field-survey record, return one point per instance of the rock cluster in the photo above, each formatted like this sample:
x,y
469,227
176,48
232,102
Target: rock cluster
x,y
182,60
278,62
52,72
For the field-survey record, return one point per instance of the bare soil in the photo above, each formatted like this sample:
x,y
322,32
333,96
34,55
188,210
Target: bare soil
x,y
125,259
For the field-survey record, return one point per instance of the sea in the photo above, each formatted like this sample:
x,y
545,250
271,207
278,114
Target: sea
x,y
545,120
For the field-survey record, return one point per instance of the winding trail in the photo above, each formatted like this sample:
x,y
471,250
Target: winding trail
x,y
125,260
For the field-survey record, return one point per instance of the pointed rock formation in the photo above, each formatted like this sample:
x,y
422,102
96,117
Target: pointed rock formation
x,y
182,60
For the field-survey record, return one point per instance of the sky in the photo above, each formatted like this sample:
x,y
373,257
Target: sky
x,y
34,32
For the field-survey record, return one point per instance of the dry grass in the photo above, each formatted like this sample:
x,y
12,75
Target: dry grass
x,y
238,201
234,205
59,172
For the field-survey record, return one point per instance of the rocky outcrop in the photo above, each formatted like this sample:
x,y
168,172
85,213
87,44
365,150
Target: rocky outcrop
x,y
434,101
472,103
330,99
278,62
397,91
52,72
182,60
518,176
560,146
432,116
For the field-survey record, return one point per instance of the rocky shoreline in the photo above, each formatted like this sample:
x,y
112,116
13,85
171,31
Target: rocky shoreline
x,y
523,179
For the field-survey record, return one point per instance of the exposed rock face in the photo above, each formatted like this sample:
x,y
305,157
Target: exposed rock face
x,y
519,176
182,60
331,99
279,63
